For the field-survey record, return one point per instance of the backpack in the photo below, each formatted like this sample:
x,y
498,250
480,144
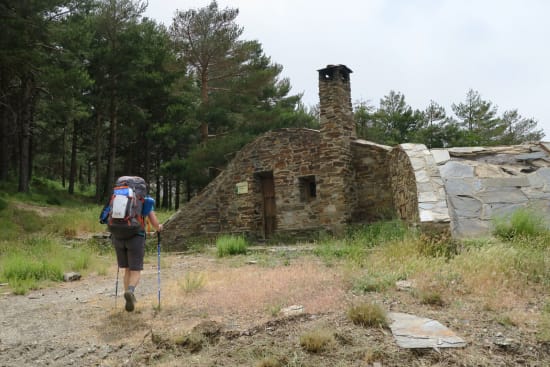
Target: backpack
x,y
125,218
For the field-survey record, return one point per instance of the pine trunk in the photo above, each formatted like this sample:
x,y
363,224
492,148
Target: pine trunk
x,y
25,118
72,172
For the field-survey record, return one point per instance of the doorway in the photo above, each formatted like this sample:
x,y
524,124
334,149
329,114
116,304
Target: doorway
x,y
268,194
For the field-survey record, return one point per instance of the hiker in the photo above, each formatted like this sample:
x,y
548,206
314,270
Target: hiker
x,y
128,210
130,253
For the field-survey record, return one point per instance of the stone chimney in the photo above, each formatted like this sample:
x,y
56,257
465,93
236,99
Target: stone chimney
x,y
335,102
337,130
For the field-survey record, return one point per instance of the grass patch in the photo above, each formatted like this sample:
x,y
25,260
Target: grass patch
x,y
377,282
368,315
193,342
192,282
317,341
31,262
543,332
23,273
374,234
3,204
269,362
231,245
274,309
360,240
70,222
521,223
430,297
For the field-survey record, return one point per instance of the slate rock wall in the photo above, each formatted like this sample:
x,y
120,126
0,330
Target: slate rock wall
x,y
484,183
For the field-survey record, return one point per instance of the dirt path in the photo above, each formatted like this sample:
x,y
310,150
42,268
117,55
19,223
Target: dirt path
x,y
76,324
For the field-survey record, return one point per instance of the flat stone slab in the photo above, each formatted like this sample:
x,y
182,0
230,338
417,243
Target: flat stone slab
x,y
413,332
71,277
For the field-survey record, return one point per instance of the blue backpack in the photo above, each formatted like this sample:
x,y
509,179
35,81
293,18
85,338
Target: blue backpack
x,y
124,214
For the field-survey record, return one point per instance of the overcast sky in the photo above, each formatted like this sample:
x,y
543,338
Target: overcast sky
x,y
426,49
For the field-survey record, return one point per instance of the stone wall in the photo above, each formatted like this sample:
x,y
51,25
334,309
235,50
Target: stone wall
x,y
372,178
403,186
418,190
286,153
484,183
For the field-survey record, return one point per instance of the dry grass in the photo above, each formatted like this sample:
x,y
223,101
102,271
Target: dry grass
x,y
368,315
192,282
269,362
317,341
244,296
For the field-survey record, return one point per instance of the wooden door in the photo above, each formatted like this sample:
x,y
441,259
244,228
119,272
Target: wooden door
x,y
268,192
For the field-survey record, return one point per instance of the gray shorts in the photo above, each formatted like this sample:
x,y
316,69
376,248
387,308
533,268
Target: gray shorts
x,y
130,252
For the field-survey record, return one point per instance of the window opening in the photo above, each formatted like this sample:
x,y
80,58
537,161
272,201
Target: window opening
x,y
308,188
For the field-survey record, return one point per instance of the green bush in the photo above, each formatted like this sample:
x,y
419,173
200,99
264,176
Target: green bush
x,y
231,245
521,223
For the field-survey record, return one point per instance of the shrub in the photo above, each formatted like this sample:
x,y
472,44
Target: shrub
x,y
231,245
430,297
192,282
521,223
368,315
317,341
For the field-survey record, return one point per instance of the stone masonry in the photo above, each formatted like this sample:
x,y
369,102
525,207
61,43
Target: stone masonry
x,y
336,198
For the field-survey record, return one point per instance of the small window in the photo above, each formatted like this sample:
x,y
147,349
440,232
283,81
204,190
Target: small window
x,y
308,188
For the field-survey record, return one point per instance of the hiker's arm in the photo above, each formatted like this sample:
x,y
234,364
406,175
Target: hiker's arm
x,y
154,221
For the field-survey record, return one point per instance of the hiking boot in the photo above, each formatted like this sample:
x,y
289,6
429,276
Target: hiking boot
x,y
130,301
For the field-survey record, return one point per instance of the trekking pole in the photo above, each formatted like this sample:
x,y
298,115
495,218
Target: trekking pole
x,y
116,284
158,267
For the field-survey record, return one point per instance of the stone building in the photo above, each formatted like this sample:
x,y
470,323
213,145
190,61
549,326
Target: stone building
x,y
294,181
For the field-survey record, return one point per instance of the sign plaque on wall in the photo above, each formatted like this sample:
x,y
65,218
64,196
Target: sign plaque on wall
x,y
242,187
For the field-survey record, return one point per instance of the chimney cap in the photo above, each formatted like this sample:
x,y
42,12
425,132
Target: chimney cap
x,y
338,66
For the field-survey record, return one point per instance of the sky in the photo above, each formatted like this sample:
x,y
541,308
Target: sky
x,y
425,49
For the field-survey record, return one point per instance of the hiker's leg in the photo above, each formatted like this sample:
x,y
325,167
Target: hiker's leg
x,y
134,277
126,278
122,260
136,252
